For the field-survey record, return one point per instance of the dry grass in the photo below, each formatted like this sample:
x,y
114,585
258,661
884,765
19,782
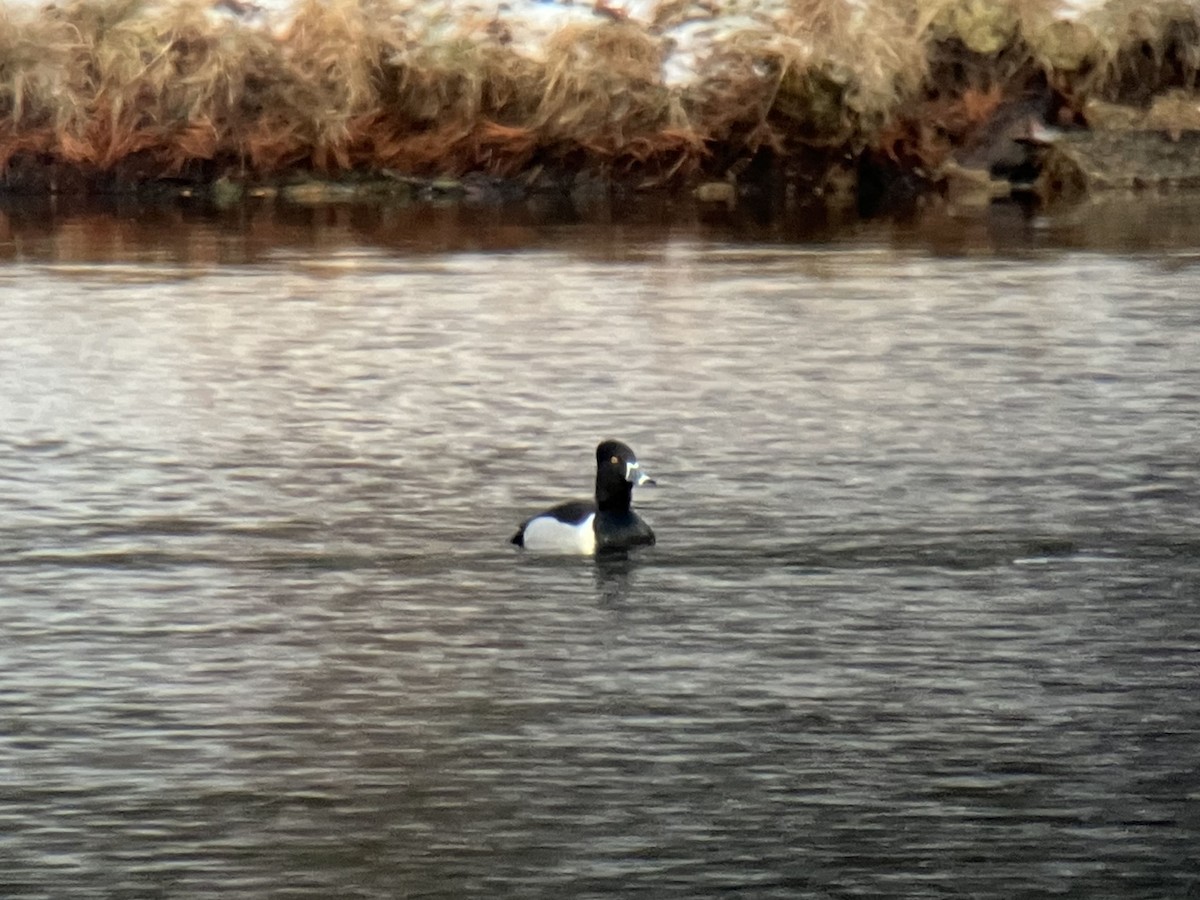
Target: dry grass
x,y
987,57
348,84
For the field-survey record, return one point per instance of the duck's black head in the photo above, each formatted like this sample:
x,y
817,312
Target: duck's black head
x,y
617,471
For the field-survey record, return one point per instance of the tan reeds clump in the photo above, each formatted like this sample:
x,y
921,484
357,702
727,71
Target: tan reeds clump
x,y
989,57
823,73
452,98
985,27
604,94
120,78
461,96
173,84
603,82
1113,47
1144,48
34,95
307,93
145,79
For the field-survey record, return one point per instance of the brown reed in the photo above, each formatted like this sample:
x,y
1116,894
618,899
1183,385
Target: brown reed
x,y
165,88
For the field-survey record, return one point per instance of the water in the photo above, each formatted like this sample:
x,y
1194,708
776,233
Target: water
x,y
922,620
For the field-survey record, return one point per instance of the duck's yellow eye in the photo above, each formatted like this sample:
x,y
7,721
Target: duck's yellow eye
x,y
614,460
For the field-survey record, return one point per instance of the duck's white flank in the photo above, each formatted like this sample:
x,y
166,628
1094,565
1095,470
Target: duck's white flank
x,y
548,535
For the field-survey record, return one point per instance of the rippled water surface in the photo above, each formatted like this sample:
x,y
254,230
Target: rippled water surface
x,y
923,619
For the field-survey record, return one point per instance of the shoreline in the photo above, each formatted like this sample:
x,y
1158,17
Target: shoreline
x,y
815,103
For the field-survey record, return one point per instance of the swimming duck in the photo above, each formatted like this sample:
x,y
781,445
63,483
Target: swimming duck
x,y
597,525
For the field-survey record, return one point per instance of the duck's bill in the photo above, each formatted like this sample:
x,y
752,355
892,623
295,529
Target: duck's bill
x,y
636,475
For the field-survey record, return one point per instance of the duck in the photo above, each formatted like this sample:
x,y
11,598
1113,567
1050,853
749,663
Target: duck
x,y
601,524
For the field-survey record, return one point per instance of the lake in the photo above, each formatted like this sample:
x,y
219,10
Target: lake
x,y
923,619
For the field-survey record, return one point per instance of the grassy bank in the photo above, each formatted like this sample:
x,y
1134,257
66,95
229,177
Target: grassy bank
x,y
118,93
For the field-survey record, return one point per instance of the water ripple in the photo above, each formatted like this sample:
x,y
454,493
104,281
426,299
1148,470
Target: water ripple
x,y
920,622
